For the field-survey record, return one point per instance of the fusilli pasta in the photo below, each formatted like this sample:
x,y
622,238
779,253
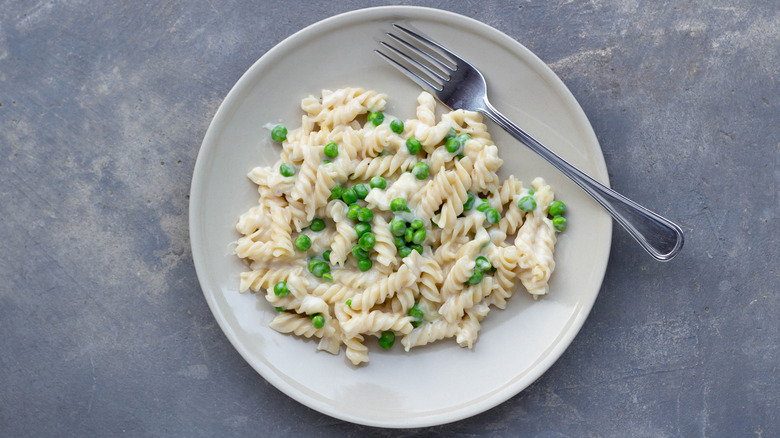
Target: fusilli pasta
x,y
370,225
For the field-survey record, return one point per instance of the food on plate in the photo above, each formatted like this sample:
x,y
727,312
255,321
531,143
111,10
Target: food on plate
x,y
369,225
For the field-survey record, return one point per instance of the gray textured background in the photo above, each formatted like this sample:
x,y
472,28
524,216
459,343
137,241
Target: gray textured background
x,y
103,327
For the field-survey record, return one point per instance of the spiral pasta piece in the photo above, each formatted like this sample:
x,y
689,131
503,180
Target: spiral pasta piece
x,y
535,243
378,292
377,321
254,248
357,352
335,293
512,220
486,165
505,260
300,325
385,248
324,182
342,106
424,128
376,141
468,328
427,333
266,277
431,277
385,166
453,308
404,299
345,235
463,227
456,194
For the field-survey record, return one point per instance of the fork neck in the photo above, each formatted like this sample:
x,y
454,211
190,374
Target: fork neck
x,y
493,114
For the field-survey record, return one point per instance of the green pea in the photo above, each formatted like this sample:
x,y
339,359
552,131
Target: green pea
x,y
336,191
325,268
397,126
419,236
476,277
399,241
353,212
413,146
492,215
326,255
459,156
453,145
281,289
559,222
417,247
359,252
409,235
483,205
376,118
279,133
362,228
279,309
313,262
527,203
378,182
416,324
327,277
287,169
361,191
557,208
417,224
450,134
367,241
483,263
469,204
365,215
326,161
331,150
531,191
349,196
348,302
397,227
404,251
416,313
364,264
421,170
321,268
398,204
317,320
463,138
387,339
303,242
317,224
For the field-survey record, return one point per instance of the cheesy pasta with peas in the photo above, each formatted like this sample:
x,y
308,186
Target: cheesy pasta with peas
x,y
373,226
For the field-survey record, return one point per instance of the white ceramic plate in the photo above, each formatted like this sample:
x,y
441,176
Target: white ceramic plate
x,y
442,382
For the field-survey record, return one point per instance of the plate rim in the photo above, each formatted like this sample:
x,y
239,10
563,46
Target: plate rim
x,y
196,224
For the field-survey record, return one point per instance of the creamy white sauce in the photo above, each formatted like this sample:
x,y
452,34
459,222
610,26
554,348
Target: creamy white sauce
x,y
404,187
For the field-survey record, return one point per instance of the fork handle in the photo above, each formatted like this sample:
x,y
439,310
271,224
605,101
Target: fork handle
x,y
659,236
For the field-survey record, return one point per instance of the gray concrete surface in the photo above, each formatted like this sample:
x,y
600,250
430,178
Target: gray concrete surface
x,y
103,327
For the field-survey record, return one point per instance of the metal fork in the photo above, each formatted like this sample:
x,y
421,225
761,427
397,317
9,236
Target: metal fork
x,y
459,85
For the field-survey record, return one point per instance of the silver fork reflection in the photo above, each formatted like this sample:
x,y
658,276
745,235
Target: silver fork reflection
x,y
459,85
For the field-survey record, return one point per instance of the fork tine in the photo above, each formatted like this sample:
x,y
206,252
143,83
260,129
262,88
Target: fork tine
x,y
427,55
454,58
414,62
422,82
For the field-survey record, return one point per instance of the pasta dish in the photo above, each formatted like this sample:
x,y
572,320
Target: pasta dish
x,y
373,226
